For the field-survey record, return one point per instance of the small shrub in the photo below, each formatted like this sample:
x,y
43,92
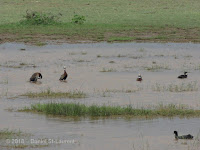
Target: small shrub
x,y
38,18
77,19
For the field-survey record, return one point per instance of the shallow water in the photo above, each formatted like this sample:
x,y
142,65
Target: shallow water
x,y
84,63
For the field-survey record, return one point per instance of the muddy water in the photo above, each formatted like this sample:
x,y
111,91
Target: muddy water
x,y
85,63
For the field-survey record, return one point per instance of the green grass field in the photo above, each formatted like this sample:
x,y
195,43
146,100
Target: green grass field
x,y
106,20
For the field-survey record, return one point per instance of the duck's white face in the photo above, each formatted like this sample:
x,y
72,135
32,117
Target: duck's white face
x,y
64,67
39,77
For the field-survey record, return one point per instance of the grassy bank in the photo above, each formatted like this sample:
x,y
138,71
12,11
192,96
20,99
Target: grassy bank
x,y
51,94
71,109
113,20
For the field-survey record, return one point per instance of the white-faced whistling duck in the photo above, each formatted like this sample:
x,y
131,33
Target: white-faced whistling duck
x,y
35,76
183,76
64,75
139,78
189,136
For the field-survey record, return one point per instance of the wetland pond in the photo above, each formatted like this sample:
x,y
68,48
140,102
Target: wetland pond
x,y
107,74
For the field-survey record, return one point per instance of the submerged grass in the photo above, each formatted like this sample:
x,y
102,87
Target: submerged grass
x,y
156,67
6,134
108,70
51,94
122,90
183,87
16,139
72,109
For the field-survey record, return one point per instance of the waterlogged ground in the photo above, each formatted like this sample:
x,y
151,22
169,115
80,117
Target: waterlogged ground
x,y
107,74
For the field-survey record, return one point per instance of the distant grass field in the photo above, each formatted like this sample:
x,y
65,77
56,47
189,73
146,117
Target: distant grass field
x,y
106,20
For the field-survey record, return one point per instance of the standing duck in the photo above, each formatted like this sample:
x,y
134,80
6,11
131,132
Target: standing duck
x,y
35,76
64,75
139,78
189,136
183,76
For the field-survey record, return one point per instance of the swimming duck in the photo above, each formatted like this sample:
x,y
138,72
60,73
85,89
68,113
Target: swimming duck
x,y
35,76
139,78
64,75
183,76
189,136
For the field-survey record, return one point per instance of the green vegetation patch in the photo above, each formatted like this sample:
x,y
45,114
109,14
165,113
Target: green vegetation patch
x,y
51,94
72,109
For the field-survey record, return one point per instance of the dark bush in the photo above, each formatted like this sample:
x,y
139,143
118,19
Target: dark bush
x,y
37,18
77,19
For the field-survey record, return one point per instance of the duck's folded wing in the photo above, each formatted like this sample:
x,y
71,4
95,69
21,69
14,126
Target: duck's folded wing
x,y
61,77
189,136
33,78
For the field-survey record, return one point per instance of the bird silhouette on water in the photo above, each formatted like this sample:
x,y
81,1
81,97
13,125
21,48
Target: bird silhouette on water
x,y
183,76
189,136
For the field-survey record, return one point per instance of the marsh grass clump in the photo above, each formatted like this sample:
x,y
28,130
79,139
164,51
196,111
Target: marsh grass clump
x,y
98,56
119,55
23,64
40,44
122,90
81,60
156,67
6,134
38,18
183,87
83,53
136,57
27,65
51,94
197,67
72,109
5,81
72,53
16,139
141,50
111,62
108,70
78,19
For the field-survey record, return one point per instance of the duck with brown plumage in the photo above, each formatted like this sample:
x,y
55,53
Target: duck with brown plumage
x,y
64,76
35,76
